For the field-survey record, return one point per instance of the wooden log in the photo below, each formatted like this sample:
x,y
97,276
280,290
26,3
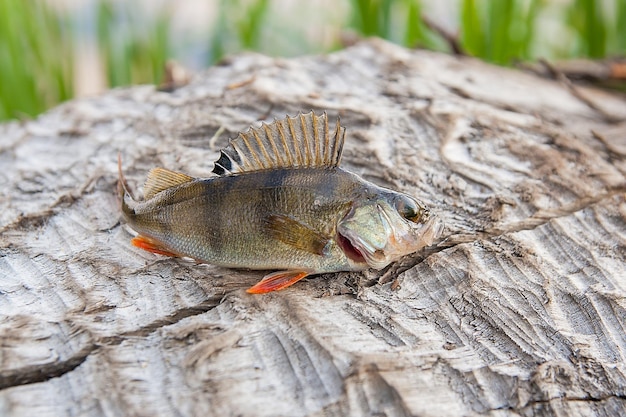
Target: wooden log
x,y
520,309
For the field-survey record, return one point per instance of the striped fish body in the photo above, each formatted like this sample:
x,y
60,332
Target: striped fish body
x,y
278,201
243,220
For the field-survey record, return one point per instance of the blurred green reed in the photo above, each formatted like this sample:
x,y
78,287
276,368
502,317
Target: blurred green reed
x,y
587,17
399,21
499,31
36,60
372,17
134,50
37,43
238,26
620,28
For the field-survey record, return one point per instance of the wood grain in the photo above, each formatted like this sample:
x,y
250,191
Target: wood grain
x,y
519,310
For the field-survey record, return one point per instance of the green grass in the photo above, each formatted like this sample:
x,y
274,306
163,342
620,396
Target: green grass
x,y
587,17
499,31
37,43
372,17
238,27
36,59
134,51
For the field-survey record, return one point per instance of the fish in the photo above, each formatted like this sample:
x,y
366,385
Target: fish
x,y
278,201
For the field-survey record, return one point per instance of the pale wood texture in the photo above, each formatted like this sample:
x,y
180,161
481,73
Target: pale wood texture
x,y
519,310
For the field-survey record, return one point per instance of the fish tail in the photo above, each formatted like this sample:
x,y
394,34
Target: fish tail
x,y
126,198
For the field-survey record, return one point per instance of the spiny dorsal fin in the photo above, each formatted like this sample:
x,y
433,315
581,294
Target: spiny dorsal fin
x,y
160,179
304,141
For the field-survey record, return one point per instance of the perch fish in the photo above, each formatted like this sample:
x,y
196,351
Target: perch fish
x,y
278,201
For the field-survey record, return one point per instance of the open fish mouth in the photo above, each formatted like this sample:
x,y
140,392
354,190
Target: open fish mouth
x,y
350,249
364,236
359,251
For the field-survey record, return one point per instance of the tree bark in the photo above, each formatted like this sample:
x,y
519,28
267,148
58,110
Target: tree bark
x,y
520,309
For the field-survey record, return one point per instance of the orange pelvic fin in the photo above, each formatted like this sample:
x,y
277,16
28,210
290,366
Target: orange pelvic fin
x,y
151,246
277,281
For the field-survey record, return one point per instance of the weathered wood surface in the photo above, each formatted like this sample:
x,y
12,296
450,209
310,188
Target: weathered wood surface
x,y
519,310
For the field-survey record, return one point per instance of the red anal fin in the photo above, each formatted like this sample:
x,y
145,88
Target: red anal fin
x,y
277,281
151,246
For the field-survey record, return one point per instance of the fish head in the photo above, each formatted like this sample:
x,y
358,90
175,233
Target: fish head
x,y
382,229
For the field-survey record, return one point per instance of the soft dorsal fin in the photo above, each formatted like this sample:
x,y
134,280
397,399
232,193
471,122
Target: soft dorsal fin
x,y
304,141
160,179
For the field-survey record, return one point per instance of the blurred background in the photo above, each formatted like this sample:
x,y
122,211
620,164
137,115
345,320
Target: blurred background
x,y
54,50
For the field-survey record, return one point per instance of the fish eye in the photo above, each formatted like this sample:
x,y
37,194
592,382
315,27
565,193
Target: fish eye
x,y
409,209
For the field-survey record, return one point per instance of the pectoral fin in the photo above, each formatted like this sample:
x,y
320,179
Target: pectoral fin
x,y
151,246
277,281
294,233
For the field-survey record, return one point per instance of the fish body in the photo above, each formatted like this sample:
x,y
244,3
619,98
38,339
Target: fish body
x,y
279,202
